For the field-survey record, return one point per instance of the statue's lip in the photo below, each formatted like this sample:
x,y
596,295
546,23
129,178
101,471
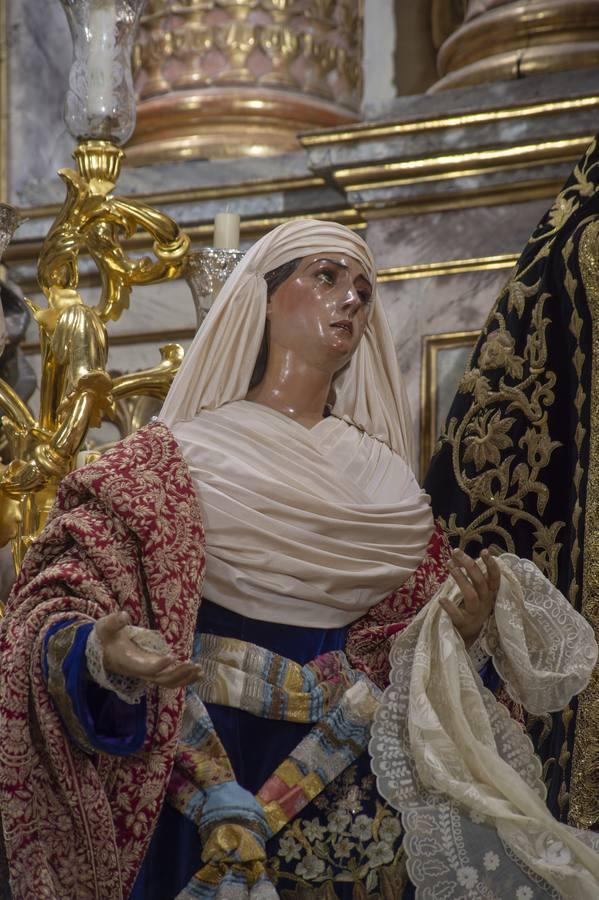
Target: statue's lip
x,y
344,323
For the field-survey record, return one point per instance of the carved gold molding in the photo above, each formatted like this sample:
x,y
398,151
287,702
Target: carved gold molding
x,y
376,131
452,165
196,195
448,267
523,191
233,123
509,40
219,79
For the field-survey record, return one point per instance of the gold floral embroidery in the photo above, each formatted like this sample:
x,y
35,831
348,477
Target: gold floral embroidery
x,y
59,646
346,845
584,805
486,437
501,446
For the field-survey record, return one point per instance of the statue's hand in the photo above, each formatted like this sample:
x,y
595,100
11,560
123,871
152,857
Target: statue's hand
x,y
479,590
124,657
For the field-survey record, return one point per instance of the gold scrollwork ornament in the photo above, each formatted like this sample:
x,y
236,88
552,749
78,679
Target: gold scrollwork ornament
x,y
76,390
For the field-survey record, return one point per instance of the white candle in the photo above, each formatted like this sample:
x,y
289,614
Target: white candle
x,y
102,26
226,231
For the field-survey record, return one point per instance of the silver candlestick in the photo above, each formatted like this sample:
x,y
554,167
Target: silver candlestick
x,y
205,272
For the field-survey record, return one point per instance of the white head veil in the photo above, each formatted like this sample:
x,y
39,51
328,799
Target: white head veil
x,y
218,366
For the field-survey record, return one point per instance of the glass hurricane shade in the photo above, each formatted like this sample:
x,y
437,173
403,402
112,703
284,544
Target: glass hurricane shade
x,y
100,101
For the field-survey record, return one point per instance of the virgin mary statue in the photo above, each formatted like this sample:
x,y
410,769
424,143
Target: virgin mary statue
x,y
228,609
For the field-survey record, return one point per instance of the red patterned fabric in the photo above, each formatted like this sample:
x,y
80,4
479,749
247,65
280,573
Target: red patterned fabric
x,y
125,533
369,639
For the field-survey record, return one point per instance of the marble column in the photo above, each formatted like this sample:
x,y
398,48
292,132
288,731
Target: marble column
x,y
500,40
224,78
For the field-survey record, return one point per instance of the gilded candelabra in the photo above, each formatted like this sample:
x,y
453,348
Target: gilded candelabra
x,y
76,390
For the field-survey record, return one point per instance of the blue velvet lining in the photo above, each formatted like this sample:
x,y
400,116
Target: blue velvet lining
x,y
110,724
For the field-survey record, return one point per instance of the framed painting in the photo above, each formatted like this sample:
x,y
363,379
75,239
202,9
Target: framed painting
x,y
444,360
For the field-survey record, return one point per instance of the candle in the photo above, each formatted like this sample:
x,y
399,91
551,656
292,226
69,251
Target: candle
x,y
226,231
102,27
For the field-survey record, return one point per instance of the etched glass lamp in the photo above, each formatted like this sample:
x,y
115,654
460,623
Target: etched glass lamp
x,y
100,101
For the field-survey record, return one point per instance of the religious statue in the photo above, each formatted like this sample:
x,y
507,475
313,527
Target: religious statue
x,y
229,607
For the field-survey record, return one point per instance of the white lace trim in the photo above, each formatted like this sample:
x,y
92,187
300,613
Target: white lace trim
x,y
131,690
440,739
478,653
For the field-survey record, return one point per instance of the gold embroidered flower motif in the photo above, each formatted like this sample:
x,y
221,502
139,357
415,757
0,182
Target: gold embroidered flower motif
x,y
379,853
362,828
539,447
488,436
289,848
562,209
519,293
313,831
475,383
343,845
310,867
499,352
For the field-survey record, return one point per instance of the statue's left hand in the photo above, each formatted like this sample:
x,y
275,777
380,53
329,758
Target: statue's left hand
x,y
479,591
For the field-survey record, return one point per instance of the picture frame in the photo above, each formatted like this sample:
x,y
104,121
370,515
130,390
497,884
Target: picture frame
x,y
444,359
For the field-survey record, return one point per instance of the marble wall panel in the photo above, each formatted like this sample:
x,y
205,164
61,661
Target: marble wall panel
x,y
454,234
39,61
445,303
380,42
461,189
456,136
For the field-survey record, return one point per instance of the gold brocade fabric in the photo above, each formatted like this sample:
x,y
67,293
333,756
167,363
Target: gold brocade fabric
x,y
516,464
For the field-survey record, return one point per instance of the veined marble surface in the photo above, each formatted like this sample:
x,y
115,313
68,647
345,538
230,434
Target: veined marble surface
x,y
454,234
39,61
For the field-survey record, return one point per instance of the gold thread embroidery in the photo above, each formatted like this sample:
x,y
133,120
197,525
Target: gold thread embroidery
x,y
59,646
584,803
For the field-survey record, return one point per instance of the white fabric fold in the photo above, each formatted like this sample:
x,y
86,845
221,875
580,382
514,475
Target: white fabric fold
x,y
303,526
218,366
439,736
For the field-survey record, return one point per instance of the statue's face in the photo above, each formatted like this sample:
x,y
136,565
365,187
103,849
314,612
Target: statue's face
x,y
321,311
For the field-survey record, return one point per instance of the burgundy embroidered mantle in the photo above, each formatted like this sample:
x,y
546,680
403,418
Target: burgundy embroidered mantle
x,y
125,533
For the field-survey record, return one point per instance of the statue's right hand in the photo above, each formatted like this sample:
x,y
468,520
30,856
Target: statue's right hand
x,y
124,656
